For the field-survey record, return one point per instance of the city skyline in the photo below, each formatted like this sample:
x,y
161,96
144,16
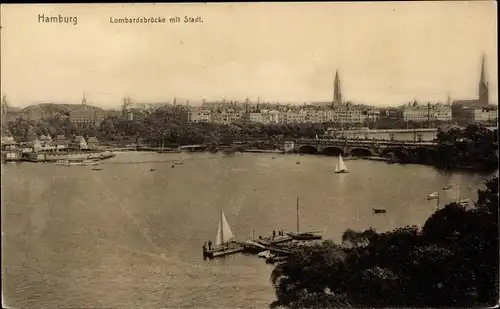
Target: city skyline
x,y
386,53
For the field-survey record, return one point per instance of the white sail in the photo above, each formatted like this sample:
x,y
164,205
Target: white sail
x,y
340,167
224,233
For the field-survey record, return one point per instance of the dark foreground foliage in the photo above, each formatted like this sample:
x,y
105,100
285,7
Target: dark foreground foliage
x,y
452,261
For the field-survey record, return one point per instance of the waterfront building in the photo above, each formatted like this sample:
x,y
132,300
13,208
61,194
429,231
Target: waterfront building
x,y
86,115
372,114
227,116
79,143
416,113
200,116
92,143
423,113
482,115
441,112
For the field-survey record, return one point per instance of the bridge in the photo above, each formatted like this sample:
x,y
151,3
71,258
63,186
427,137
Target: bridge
x,y
355,147
332,147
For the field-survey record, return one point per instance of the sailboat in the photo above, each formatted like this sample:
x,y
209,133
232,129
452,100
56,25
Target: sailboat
x,y
304,235
224,240
340,167
224,233
460,201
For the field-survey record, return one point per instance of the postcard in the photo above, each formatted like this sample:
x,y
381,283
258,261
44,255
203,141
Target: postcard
x,y
249,155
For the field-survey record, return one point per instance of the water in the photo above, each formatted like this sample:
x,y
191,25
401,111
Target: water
x,y
127,237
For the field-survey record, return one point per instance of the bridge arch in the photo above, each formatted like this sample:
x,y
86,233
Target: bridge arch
x,y
360,152
332,151
307,149
391,150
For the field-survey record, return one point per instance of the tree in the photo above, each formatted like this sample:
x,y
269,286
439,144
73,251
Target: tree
x,y
452,261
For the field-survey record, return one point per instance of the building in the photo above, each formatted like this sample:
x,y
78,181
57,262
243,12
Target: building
x,y
227,116
92,143
255,117
86,115
7,112
426,113
200,116
441,112
79,143
467,115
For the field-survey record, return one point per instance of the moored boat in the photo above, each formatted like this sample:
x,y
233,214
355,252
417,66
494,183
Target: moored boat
x,y
76,162
253,247
432,196
304,235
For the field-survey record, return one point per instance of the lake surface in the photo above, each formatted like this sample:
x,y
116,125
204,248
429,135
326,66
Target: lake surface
x,y
127,237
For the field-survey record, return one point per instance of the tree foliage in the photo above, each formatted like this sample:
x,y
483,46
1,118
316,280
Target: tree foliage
x,y
452,261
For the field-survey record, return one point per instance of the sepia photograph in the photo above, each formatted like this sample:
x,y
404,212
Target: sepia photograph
x,y
249,155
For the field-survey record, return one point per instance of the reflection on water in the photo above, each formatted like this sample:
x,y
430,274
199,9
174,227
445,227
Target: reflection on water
x,y
129,237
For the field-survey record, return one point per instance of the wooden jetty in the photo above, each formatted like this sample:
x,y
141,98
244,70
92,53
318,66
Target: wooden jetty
x,y
223,250
269,241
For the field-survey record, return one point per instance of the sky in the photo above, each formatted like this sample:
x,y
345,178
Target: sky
x,y
387,53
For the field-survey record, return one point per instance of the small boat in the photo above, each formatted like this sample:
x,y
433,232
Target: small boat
x,y
340,168
447,188
179,163
463,202
276,259
152,170
97,169
298,162
224,241
304,235
433,196
253,247
265,254
379,211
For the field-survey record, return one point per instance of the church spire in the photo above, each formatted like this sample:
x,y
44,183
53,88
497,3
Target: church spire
x,y
337,95
483,84
483,77
84,99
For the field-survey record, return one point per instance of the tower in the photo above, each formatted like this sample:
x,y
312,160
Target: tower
x,y
337,95
483,85
84,100
5,109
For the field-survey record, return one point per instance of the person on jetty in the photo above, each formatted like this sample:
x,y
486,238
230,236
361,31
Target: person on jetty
x,y
209,245
205,247
274,233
